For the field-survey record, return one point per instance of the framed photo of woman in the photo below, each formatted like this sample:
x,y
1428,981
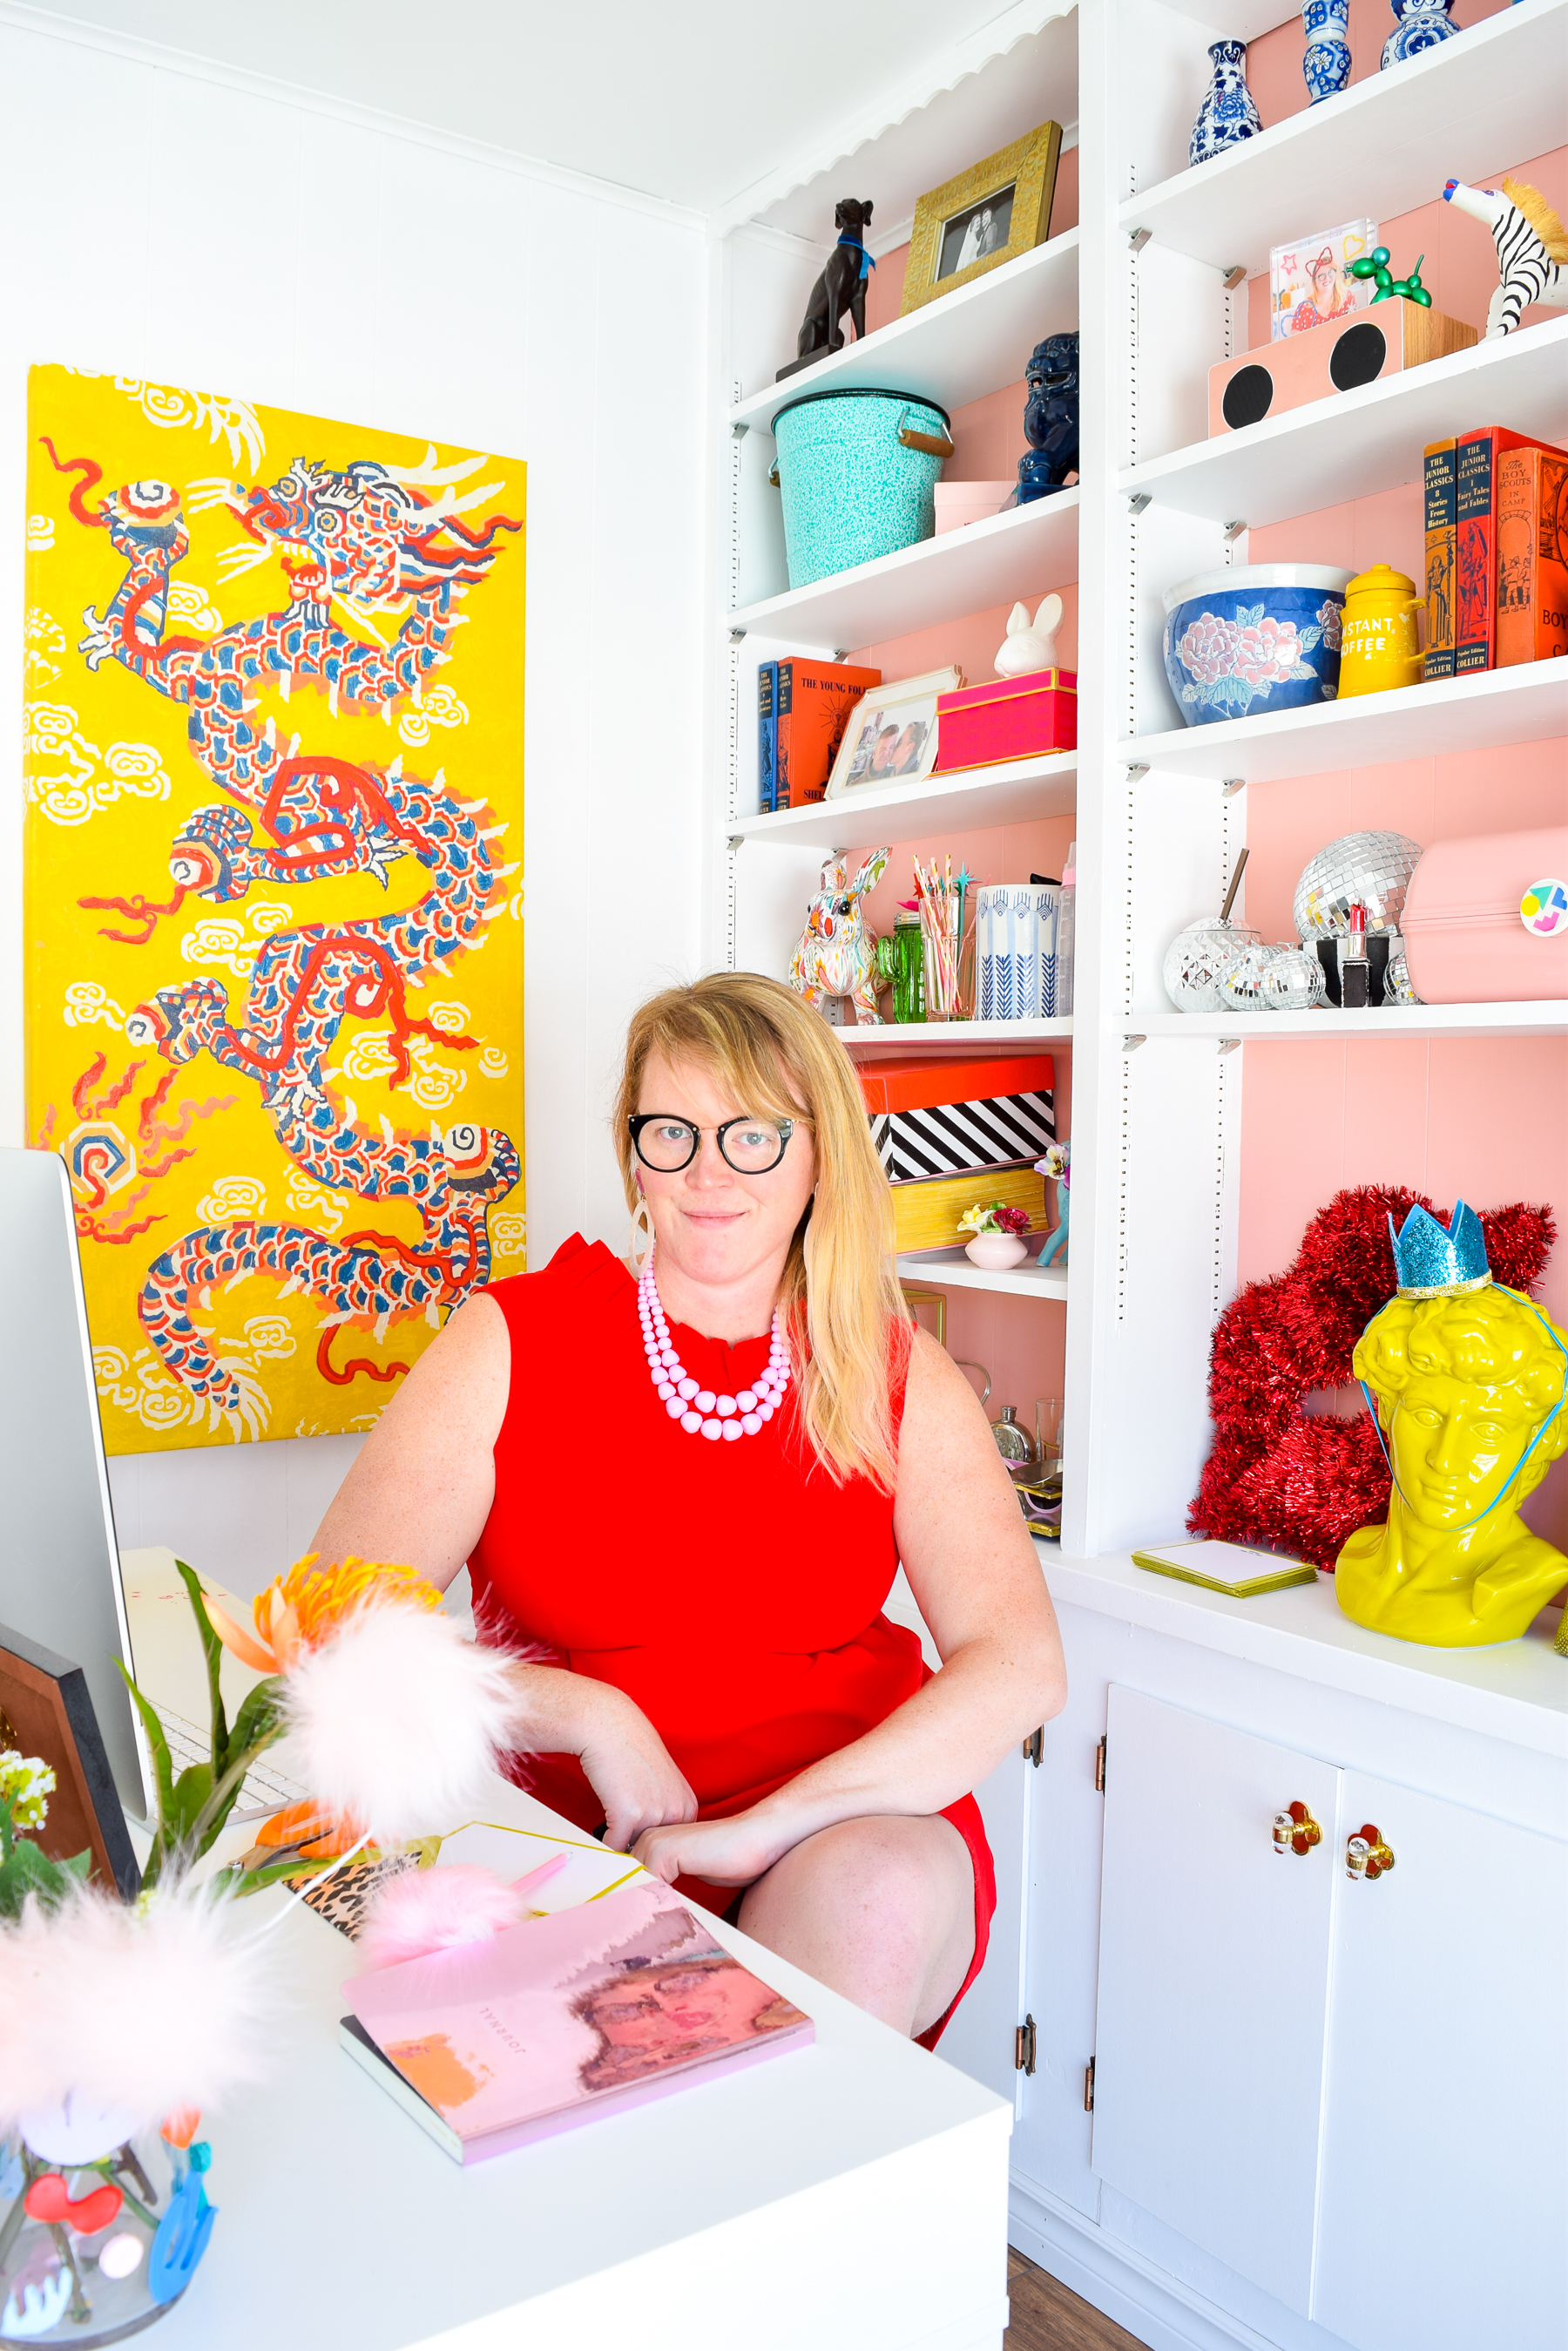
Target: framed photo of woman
x,y
989,214
891,735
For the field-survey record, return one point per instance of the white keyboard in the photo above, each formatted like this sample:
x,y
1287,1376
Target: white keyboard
x,y
265,1790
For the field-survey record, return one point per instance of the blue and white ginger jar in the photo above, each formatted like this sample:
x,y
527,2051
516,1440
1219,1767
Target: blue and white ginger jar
x,y
1422,24
1326,60
1228,113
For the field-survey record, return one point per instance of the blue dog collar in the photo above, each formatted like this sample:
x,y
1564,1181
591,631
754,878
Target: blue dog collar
x,y
867,263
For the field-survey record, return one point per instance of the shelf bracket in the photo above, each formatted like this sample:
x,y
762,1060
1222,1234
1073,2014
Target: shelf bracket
x,y
1227,1045
1138,237
1131,1044
1138,499
842,653
1234,277
735,635
739,431
735,840
1233,531
1232,785
1136,768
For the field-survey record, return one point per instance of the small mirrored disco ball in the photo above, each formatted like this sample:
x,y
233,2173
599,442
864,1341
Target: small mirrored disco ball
x,y
1243,989
1360,869
1197,960
1396,987
1294,979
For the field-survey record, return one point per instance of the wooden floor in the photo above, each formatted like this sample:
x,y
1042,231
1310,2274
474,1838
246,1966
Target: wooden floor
x,y
1046,2316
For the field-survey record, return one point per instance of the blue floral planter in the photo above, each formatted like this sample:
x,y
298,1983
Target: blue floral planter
x,y
1261,636
1420,25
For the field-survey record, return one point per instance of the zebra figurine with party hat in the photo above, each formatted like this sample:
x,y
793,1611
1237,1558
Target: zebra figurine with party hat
x,y
1531,248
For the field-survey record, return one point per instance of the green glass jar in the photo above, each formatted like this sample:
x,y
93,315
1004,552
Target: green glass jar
x,y
909,966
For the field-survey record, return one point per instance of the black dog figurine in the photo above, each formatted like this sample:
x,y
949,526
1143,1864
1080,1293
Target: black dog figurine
x,y
1049,419
840,288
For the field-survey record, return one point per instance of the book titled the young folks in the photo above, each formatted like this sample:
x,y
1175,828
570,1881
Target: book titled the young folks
x,y
491,2045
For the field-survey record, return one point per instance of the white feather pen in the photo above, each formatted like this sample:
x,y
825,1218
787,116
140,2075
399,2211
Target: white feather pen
x,y
397,1722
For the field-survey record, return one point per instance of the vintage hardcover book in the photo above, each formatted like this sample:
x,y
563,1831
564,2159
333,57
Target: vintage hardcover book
x,y
925,1215
1531,556
1440,519
814,700
491,2045
1479,452
1234,1569
767,738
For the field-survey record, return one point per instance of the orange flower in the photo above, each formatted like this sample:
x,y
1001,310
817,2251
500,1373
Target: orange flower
x,y
181,2126
329,1835
303,1609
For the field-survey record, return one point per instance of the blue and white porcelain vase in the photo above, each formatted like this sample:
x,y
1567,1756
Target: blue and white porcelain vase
x,y
1326,60
1422,24
1228,114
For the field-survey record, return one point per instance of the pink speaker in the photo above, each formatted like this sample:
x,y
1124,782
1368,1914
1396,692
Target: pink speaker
x,y
1348,351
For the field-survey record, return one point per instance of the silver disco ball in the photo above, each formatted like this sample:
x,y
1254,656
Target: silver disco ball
x,y
1396,987
1197,960
1360,869
1294,981
1243,987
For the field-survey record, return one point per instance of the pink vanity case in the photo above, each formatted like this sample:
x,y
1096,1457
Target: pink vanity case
x,y
1008,719
1466,941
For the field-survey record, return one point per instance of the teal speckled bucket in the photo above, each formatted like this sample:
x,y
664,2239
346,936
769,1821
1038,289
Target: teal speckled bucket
x,y
858,470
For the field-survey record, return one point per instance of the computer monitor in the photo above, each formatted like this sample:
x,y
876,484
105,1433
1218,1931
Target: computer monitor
x,y
59,1567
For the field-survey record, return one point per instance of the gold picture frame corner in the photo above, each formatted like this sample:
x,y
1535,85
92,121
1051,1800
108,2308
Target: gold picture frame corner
x,y
1030,165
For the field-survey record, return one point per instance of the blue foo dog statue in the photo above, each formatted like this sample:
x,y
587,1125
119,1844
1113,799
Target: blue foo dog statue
x,y
1049,419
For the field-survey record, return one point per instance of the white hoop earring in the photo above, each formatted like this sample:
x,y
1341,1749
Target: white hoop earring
x,y
642,1235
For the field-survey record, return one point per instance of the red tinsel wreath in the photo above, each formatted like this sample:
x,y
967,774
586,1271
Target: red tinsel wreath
x,y
1276,1476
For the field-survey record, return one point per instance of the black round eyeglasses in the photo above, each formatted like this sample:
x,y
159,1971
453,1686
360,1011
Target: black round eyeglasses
x,y
751,1147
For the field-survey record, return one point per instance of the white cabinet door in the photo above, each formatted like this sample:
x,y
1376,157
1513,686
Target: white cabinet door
x,y
980,2039
1445,2172
1213,1987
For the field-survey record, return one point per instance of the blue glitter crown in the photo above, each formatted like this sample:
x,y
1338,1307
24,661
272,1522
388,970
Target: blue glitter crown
x,y
1434,1262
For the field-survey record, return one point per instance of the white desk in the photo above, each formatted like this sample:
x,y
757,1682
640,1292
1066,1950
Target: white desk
x,y
849,2196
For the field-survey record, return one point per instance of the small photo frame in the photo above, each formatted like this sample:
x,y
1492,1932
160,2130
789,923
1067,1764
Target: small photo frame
x,y
989,214
45,1711
891,733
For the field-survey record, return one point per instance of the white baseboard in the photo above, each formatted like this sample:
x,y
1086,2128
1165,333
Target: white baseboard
x,y
1157,2308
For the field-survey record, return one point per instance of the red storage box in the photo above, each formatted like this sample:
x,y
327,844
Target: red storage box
x,y
1466,941
925,1081
943,1118
1008,719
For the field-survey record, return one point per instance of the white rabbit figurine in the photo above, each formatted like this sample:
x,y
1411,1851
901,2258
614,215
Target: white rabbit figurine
x,y
1030,645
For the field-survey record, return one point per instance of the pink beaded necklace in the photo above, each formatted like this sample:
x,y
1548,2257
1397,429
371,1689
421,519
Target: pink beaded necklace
x,y
699,1410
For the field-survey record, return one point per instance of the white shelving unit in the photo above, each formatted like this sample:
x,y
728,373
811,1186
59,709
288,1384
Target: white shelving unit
x,y
951,1270
1018,1035
1010,793
1328,1026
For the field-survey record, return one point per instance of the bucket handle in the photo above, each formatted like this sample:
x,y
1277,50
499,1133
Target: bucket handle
x,y
774,473
931,444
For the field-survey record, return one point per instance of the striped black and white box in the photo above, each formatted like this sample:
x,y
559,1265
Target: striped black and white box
x,y
953,1138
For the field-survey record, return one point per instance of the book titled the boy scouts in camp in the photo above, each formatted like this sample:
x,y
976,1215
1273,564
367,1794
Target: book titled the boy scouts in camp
x,y
490,2046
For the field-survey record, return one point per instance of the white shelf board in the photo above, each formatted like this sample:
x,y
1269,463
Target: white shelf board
x,y
1019,1035
951,1270
1483,102
992,562
1483,712
1354,445
1014,791
1547,1019
953,350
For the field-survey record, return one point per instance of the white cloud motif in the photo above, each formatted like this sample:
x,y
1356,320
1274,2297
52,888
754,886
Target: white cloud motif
x,y
508,1234
270,914
451,1017
190,605
87,1002
492,1063
44,636
438,706
369,1056
269,1335
218,940
137,770
167,404
324,1208
63,778
234,1195
40,533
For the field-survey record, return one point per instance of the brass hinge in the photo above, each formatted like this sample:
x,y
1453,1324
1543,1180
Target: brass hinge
x,y
1100,1768
1034,1746
1089,2088
1023,2047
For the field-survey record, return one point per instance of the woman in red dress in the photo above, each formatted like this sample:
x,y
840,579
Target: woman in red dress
x,y
716,1687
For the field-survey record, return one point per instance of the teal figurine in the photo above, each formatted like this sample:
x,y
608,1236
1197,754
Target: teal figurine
x,y
1375,265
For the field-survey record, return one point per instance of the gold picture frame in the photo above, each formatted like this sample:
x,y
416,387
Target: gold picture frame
x,y
961,217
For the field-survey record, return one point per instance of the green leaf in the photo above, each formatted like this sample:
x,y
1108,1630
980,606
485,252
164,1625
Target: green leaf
x,y
163,1769
213,1649
272,1873
260,1720
192,1791
26,1870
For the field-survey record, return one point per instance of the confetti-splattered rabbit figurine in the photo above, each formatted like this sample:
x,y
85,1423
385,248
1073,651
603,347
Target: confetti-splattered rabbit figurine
x,y
836,955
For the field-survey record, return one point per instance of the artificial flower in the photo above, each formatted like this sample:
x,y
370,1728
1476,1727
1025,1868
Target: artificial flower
x,y
305,1607
29,1782
993,1216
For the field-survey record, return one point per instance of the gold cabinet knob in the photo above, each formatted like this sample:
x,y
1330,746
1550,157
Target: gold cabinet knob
x,y
1295,1831
1365,1855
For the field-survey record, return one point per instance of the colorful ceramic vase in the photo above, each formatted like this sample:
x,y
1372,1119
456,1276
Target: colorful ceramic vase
x,y
1326,60
1263,633
1421,25
1228,114
1379,651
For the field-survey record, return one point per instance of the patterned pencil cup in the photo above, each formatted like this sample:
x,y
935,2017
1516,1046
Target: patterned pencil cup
x,y
1326,60
92,2252
1228,113
1421,25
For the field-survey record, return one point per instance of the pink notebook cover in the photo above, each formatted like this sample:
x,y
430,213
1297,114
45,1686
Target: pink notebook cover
x,y
553,2021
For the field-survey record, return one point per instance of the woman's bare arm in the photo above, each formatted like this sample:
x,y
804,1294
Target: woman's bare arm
x,y
975,1575
420,1493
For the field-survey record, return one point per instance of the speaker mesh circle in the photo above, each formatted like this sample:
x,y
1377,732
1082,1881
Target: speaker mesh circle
x,y
1247,397
1358,356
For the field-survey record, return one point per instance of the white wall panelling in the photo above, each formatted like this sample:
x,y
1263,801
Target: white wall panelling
x,y
164,224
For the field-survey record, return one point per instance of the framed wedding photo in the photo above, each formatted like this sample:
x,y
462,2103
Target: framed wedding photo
x,y
892,737
989,214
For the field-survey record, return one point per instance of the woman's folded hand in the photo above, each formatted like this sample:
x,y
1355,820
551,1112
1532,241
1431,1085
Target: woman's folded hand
x,y
631,1768
727,1853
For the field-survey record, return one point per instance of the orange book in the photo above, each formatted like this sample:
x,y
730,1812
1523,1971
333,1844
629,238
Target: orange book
x,y
1531,555
812,704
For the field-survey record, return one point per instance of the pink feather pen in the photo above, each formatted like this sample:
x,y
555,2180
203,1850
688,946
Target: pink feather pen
x,y
426,1910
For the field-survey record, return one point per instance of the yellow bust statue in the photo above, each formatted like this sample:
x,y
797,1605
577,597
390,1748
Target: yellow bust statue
x,y
1468,1383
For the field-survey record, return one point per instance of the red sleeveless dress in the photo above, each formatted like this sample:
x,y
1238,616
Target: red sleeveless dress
x,y
735,1592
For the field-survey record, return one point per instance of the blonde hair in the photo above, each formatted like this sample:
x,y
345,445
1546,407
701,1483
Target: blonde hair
x,y
839,1299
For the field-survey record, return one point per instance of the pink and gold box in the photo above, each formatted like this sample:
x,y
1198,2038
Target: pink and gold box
x,y
1007,719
